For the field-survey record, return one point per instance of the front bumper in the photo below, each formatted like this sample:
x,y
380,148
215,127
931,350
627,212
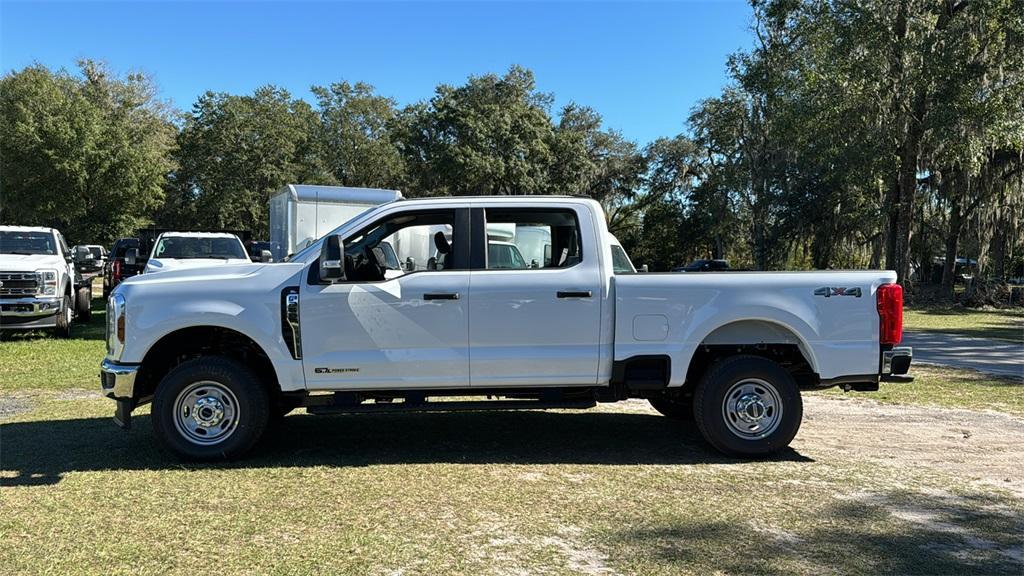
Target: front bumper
x,y
118,382
29,312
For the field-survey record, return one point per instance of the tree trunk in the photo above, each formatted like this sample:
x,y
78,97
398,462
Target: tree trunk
x,y
952,239
905,204
876,250
892,213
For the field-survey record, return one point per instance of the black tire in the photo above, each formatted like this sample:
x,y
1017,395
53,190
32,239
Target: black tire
x,y
672,407
748,381
225,380
63,327
83,304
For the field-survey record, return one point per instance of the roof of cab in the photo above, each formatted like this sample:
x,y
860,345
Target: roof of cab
x,y
518,199
199,234
11,227
338,194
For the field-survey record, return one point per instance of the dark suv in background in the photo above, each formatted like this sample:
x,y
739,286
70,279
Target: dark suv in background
x,y
116,268
704,265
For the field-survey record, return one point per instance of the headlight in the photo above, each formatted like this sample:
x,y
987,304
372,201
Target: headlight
x,y
116,309
47,282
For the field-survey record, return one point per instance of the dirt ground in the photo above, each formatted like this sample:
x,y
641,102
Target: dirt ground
x,y
979,446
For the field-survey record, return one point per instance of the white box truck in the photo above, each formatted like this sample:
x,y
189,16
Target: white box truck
x,y
301,213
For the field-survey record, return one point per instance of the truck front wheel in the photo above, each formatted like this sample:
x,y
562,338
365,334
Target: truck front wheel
x,y
64,316
748,406
210,408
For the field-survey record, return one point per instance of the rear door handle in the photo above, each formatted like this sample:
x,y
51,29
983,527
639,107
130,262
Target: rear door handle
x,y
441,296
573,293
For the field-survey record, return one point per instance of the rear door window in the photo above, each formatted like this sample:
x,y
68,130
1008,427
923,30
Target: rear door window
x,y
532,238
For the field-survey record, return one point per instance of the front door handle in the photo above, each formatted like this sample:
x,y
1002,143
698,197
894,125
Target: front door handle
x,y
441,296
573,294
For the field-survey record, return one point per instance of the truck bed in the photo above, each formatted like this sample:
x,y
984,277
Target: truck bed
x,y
661,314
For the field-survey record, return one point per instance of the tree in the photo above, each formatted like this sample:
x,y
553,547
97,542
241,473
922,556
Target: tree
x,y
235,151
86,153
357,129
587,160
489,136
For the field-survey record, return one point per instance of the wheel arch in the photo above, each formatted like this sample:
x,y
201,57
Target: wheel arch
x,y
190,342
766,337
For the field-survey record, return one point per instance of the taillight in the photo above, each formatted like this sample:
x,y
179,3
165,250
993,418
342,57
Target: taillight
x,y
889,299
116,270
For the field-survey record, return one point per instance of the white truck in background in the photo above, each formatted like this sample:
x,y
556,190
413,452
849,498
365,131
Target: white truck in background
x,y
40,288
220,352
180,250
301,214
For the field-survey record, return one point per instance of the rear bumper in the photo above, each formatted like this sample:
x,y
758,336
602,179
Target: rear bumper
x,y
896,364
893,365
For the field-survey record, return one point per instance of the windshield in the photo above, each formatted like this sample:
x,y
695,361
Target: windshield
x,y
620,261
188,247
15,242
504,256
298,256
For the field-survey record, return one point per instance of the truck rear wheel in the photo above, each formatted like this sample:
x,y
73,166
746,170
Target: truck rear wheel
x,y
748,406
83,303
210,408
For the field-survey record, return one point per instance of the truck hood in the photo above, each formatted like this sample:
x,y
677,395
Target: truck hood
x,y
220,271
168,264
30,263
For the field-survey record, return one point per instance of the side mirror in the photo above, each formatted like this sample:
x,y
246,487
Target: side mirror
x,y
131,256
410,264
332,260
266,256
643,268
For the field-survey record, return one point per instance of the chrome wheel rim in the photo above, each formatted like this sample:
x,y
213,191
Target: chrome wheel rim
x,y
206,413
752,408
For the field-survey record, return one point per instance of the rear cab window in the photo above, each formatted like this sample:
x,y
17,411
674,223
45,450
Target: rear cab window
x,y
620,261
532,238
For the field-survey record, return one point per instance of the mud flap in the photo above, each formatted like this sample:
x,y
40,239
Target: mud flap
x,y
123,413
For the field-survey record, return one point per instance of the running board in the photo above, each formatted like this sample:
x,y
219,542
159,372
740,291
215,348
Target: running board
x,y
471,406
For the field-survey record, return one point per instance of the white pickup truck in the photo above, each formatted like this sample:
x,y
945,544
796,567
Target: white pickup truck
x,y
181,250
40,288
221,352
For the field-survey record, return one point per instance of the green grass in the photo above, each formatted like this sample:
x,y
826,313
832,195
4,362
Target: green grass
x,y
997,324
950,388
38,360
614,490
596,492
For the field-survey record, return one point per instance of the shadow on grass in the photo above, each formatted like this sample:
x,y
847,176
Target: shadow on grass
x,y
906,532
41,452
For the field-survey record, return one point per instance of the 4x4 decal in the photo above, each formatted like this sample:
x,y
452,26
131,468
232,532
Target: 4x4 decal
x,y
829,291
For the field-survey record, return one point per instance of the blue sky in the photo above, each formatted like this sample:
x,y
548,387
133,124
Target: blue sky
x,y
641,65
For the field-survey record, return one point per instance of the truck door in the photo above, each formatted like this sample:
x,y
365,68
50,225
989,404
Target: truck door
x,y
406,331
535,321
